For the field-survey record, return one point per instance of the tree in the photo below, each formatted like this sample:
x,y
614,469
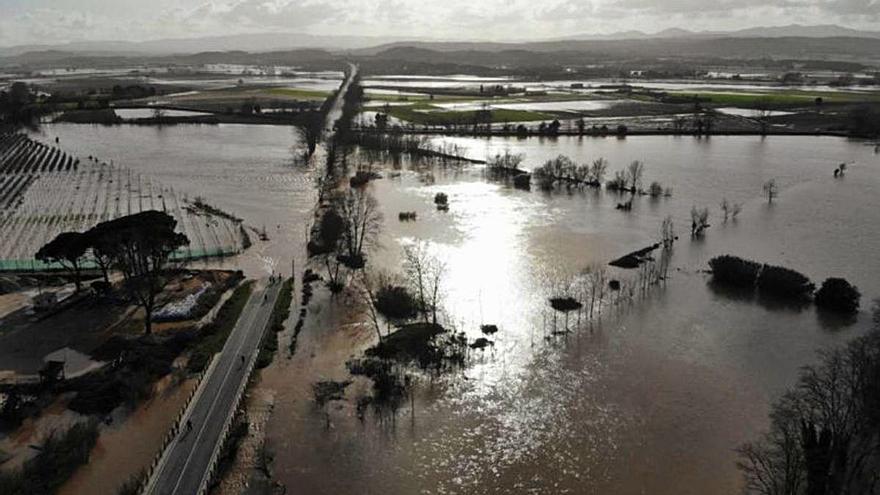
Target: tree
x,y
762,110
634,173
836,294
424,274
367,291
771,190
667,232
598,170
101,246
361,219
824,435
331,229
699,220
310,129
142,244
67,249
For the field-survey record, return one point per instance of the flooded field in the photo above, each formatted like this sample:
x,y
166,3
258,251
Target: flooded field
x,y
651,398
246,170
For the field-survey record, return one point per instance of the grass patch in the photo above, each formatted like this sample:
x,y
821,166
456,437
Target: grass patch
x,y
280,313
59,457
299,94
214,334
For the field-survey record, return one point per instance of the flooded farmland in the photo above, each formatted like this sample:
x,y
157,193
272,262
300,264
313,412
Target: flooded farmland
x,y
246,170
648,399
651,398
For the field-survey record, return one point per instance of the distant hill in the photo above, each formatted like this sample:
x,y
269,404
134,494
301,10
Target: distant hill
x,y
866,50
262,42
265,42
791,30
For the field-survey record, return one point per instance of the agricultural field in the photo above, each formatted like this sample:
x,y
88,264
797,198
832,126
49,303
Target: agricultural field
x,y
45,191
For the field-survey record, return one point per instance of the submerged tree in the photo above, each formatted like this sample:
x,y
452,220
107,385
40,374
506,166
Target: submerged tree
x,y
634,173
667,232
424,274
361,220
310,129
771,190
699,221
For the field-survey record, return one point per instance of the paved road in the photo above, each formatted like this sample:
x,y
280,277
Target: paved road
x,y
186,460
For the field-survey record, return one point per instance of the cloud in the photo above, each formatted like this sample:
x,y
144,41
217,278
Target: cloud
x,y
52,21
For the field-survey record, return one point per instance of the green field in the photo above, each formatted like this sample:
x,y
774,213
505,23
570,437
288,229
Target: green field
x,y
425,114
299,94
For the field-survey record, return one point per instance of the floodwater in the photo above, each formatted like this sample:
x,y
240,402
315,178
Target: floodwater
x,y
146,113
651,398
536,106
592,84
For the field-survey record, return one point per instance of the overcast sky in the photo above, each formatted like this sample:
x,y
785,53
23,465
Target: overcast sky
x,y
52,21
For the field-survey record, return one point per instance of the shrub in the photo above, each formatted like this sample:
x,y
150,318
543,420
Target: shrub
x,y
522,181
395,302
732,270
618,182
836,294
56,461
655,190
785,282
544,178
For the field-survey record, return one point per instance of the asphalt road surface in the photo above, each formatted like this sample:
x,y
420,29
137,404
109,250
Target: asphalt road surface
x,y
187,458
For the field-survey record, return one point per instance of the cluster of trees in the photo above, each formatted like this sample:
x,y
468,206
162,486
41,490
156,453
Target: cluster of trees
x,y
563,170
348,226
824,436
864,121
17,103
836,294
132,91
138,246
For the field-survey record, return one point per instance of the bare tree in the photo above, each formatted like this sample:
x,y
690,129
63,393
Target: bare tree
x,y
771,190
424,273
737,208
367,288
362,220
598,170
594,277
634,173
762,114
725,209
699,220
667,232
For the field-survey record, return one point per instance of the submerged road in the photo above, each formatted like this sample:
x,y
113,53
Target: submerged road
x,y
187,460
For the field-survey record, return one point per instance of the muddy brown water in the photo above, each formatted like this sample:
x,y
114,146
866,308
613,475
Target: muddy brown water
x,y
651,399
